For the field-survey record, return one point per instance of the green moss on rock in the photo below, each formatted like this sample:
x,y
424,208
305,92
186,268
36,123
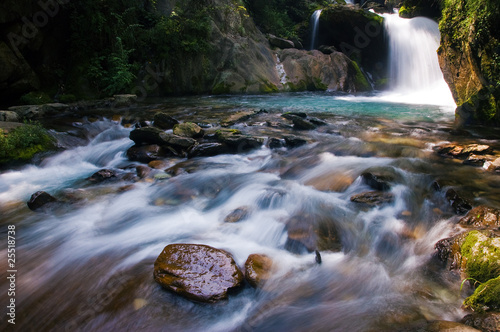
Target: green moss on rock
x,y
486,297
482,256
360,82
22,143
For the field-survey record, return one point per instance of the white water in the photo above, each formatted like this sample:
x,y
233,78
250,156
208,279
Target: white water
x,y
281,70
414,72
315,23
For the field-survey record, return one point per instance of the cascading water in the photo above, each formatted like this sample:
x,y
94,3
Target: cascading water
x,y
415,75
315,24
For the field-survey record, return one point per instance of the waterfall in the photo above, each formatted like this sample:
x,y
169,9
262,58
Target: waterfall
x,y
314,23
281,70
415,74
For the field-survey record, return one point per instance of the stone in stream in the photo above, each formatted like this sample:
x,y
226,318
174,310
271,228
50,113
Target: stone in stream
x,y
188,129
293,141
481,217
198,272
148,135
164,121
475,160
207,150
486,322
302,124
39,200
146,153
258,269
373,198
103,175
459,204
240,116
275,143
375,182
238,214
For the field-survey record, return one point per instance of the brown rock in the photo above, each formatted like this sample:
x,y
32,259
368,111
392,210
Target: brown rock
x,y
238,214
333,181
481,216
459,204
40,199
373,198
258,269
143,171
158,164
196,271
188,129
164,121
103,175
486,322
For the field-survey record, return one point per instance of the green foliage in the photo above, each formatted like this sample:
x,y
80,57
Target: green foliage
x,y
280,17
429,8
486,297
35,98
111,41
22,143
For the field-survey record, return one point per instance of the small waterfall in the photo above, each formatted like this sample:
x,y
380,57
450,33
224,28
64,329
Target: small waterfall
x,y
314,23
414,69
281,70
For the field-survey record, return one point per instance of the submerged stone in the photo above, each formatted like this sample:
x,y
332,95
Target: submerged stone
x,y
238,214
258,269
39,200
198,272
373,198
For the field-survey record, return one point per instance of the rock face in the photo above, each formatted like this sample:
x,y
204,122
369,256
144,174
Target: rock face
x,y
198,272
314,70
358,33
468,57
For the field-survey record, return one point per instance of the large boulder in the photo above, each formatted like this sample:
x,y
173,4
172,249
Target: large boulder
x,y
314,70
196,271
188,129
468,57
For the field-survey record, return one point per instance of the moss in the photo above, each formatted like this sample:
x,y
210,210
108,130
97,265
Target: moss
x,y
24,142
319,85
35,98
299,86
223,133
268,87
482,256
486,297
221,88
360,81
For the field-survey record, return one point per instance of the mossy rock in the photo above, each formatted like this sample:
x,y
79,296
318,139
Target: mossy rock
x,y
23,142
486,297
482,256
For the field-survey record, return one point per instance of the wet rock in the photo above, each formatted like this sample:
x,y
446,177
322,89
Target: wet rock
x,y
458,203
124,100
207,150
317,257
302,124
293,115
294,141
238,214
258,269
317,122
441,326
325,49
375,182
494,166
158,164
479,149
475,160
237,142
280,42
486,322
145,153
40,199
373,198
308,232
331,181
164,121
275,143
188,129
196,271
9,116
103,175
148,135
239,116
179,144
482,217
449,150
143,171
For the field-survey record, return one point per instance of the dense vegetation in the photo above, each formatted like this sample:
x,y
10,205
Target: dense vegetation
x,y
112,41
428,8
23,142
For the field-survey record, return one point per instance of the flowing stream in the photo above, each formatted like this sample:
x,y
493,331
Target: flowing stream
x,y
86,265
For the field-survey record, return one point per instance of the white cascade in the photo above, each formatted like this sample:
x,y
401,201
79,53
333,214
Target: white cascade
x,y
315,23
415,74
